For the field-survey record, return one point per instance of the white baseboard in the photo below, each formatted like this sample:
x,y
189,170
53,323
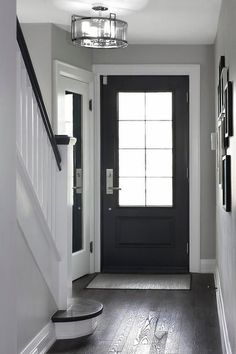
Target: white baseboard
x,y
208,266
42,341
226,347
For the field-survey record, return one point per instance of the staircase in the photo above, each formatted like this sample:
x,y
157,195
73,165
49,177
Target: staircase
x,y
43,206
79,320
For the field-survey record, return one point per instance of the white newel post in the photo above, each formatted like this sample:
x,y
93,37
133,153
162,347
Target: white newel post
x,y
64,202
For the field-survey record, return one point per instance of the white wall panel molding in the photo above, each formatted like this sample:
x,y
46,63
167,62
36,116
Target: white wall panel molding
x,y
226,347
42,341
193,71
35,230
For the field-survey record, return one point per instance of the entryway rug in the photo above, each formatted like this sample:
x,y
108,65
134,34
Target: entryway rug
x,y
141,281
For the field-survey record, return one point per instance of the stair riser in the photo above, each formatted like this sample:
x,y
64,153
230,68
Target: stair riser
x,y
75,329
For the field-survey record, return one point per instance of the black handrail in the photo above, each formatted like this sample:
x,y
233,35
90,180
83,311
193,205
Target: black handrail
x,y
37,92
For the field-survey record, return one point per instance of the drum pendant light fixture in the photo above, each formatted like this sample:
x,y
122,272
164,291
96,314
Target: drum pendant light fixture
x,y
99,31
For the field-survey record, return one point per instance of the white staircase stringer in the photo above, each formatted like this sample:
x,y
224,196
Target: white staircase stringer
x,y
37,234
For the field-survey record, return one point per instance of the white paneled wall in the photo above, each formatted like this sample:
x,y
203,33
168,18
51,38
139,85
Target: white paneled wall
x,y
34,146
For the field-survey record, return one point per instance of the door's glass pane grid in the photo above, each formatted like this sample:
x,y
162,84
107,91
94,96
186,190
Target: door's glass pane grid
x,y
145,149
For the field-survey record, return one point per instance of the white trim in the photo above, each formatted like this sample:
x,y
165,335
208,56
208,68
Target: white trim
x,y
34,228
226,347
208,266
38,210
193,71
63,70
42,341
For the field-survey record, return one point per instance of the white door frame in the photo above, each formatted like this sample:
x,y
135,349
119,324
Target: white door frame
x,y
63,70
193,71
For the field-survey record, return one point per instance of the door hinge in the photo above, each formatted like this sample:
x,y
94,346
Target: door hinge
x,y
187,248
91,247
104,80
187,97
90,105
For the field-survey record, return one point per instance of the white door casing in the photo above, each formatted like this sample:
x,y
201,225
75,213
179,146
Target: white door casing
x,y
193,71
70,78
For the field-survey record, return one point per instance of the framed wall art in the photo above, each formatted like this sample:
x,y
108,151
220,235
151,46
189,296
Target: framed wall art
x,y
228,97
226,182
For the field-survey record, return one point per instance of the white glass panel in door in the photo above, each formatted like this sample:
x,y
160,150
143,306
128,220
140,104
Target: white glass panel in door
x,y
131,163
132,192
68,115
145,149
159,192
158,134
131,134
159,163
159,106
131,105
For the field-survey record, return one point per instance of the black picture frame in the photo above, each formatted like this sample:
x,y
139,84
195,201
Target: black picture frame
x,y
228,93
221,64
226,182
224,78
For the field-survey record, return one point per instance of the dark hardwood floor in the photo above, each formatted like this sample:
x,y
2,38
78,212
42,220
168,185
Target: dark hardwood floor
x,y
150,321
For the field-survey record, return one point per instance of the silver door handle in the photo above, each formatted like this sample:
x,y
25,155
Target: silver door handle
x,y
78,181
115,188
109,182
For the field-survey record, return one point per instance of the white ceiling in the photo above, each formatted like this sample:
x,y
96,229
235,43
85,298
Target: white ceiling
x,y
149,21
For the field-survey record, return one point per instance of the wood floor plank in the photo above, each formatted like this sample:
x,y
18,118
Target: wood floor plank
x,y
133,338
145,337
159,343
123,332
174,333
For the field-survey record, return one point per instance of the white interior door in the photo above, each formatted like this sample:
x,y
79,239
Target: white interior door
x,y
74,102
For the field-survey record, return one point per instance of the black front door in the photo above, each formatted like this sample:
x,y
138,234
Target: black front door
x,y
144,161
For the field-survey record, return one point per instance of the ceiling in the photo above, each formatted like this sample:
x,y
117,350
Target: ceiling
x,y
149,21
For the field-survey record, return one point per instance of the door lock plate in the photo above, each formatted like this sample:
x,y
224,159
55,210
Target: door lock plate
x,y
109,181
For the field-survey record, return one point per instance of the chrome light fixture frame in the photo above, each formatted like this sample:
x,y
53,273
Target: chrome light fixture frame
x,y
115,36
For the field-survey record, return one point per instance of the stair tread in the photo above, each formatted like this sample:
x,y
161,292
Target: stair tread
x,y
83,309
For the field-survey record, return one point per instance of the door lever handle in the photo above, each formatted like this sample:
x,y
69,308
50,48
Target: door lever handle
x,y
115,188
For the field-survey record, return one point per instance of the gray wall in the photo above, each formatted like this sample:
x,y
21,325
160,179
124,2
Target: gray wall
x,y
8,292
38,39
35,304
179,54
226,222
47,42
64,50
